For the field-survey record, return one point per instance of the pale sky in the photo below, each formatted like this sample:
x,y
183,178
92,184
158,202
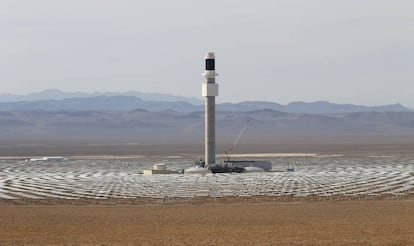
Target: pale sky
x,y
343,51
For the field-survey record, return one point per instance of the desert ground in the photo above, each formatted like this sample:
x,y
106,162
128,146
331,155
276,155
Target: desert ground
x,y
307,223
354,222
148,148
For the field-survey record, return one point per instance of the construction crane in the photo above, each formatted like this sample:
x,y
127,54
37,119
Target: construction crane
x,y
230,149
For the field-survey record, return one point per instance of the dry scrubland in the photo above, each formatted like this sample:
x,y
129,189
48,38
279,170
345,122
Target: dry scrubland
x,y
336,223
153,147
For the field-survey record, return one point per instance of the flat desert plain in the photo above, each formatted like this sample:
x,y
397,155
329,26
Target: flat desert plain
x,y
379,222
305,223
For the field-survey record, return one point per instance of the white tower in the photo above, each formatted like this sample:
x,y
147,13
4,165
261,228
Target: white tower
x,y
210,91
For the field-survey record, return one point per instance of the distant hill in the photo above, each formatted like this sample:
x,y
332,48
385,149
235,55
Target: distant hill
x,y
54,94
127,103
320,107
105,103
326,107
58,100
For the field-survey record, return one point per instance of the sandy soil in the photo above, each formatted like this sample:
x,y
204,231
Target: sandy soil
x,y
316,223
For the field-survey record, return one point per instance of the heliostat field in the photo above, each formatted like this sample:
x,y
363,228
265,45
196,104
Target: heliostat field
x,y
121,181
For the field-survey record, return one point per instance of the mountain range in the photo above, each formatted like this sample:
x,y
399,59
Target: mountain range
x,y
60,115
54,100
54,94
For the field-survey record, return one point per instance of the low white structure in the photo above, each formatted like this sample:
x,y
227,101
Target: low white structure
x,y
253,169
49,158
159,168
197,170
264,165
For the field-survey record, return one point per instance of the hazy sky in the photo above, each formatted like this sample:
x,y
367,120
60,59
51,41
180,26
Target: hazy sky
x,y
345,51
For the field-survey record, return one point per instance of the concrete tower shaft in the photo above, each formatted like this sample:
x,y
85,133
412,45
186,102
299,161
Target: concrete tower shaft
x,y
210,91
